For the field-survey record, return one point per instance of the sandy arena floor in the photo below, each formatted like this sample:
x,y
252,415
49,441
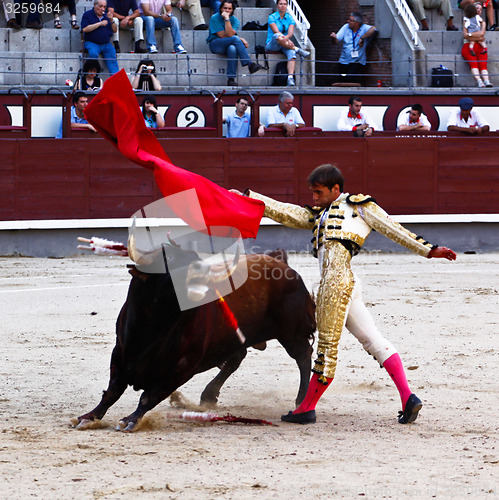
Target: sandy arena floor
x,y
57,337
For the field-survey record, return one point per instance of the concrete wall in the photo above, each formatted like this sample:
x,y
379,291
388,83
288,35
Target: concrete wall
x,y
461,237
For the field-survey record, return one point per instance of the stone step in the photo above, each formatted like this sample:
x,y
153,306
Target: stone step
x,y
448,42
27,68
48,40
244,14
460,68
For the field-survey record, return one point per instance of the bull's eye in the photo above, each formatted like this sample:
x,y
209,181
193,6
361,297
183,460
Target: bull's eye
x,y
197,266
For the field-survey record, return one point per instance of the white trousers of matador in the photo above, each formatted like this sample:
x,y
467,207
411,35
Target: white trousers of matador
x,y
339,305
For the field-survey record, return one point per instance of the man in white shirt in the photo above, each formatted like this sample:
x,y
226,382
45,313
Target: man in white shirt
x,y
467,120
285,116
414,120
351,119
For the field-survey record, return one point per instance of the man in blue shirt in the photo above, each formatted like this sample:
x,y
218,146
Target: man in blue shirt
x,y
355,36
223,40
78,120
238,123
98,27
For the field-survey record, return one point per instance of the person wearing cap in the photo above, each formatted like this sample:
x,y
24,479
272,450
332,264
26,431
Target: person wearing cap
x,y
466,119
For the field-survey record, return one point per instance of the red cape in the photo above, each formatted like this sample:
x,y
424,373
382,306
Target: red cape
x,y
115,113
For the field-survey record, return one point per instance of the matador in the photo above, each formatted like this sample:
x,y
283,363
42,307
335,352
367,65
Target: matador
x,y
341,223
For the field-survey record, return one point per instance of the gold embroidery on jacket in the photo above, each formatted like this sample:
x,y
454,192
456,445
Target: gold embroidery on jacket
x,y
379,220
333,298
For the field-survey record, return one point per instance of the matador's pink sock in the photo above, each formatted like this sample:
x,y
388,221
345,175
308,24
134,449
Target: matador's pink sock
x,y
315,390
393,365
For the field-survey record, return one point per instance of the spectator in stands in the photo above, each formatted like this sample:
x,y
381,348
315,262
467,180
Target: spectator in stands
x,y
238,123
355,36
351,119
477,59
195,12
88,79
78,120
33,18
56,9
10,17
414,120
145,76
126,15
98,27
151,114
466,119
152,13
473,23
279,34
488,5
443,6
223,39
285,116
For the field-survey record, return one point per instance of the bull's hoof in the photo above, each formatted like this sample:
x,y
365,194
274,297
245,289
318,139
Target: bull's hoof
x,y
82,424
209,399
127,426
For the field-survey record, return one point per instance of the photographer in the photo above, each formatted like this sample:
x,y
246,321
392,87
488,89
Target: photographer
x,y
151,114
145,77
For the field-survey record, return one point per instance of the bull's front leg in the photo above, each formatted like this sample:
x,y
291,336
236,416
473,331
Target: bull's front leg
x,y
148,400
209,396
116,388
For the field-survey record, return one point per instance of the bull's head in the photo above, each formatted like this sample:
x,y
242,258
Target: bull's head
x,y
196,276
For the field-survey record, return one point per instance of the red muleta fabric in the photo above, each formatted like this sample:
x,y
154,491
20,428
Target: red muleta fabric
x,y
116,115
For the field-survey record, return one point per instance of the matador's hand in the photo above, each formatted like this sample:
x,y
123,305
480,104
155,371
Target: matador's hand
x,y
442,253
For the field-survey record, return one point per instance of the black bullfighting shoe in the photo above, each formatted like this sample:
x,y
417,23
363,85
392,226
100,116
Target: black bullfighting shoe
x,y
307,417
411,411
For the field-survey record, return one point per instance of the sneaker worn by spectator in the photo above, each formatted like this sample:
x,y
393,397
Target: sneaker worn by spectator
x,y
153,49
231,82
291,81
302,52
201,27
180,50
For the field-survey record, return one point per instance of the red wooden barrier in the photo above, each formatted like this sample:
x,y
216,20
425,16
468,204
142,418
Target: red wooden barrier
x,y
88,178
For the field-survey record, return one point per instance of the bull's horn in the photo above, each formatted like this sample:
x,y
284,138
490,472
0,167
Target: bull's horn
x,y
140,258
172,242
223,274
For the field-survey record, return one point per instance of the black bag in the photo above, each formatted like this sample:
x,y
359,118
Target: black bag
x,y
260,51
442,77
255,26
280,74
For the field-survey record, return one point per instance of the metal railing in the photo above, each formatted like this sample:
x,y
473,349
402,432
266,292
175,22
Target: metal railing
x,y
398,73
408,18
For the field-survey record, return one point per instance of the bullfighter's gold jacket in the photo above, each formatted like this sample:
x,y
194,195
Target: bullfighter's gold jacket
x,y
349,219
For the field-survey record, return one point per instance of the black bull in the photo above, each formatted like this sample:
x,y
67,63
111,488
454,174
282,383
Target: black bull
x,y
159,347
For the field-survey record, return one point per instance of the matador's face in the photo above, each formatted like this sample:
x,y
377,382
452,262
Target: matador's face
x,y
323,196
